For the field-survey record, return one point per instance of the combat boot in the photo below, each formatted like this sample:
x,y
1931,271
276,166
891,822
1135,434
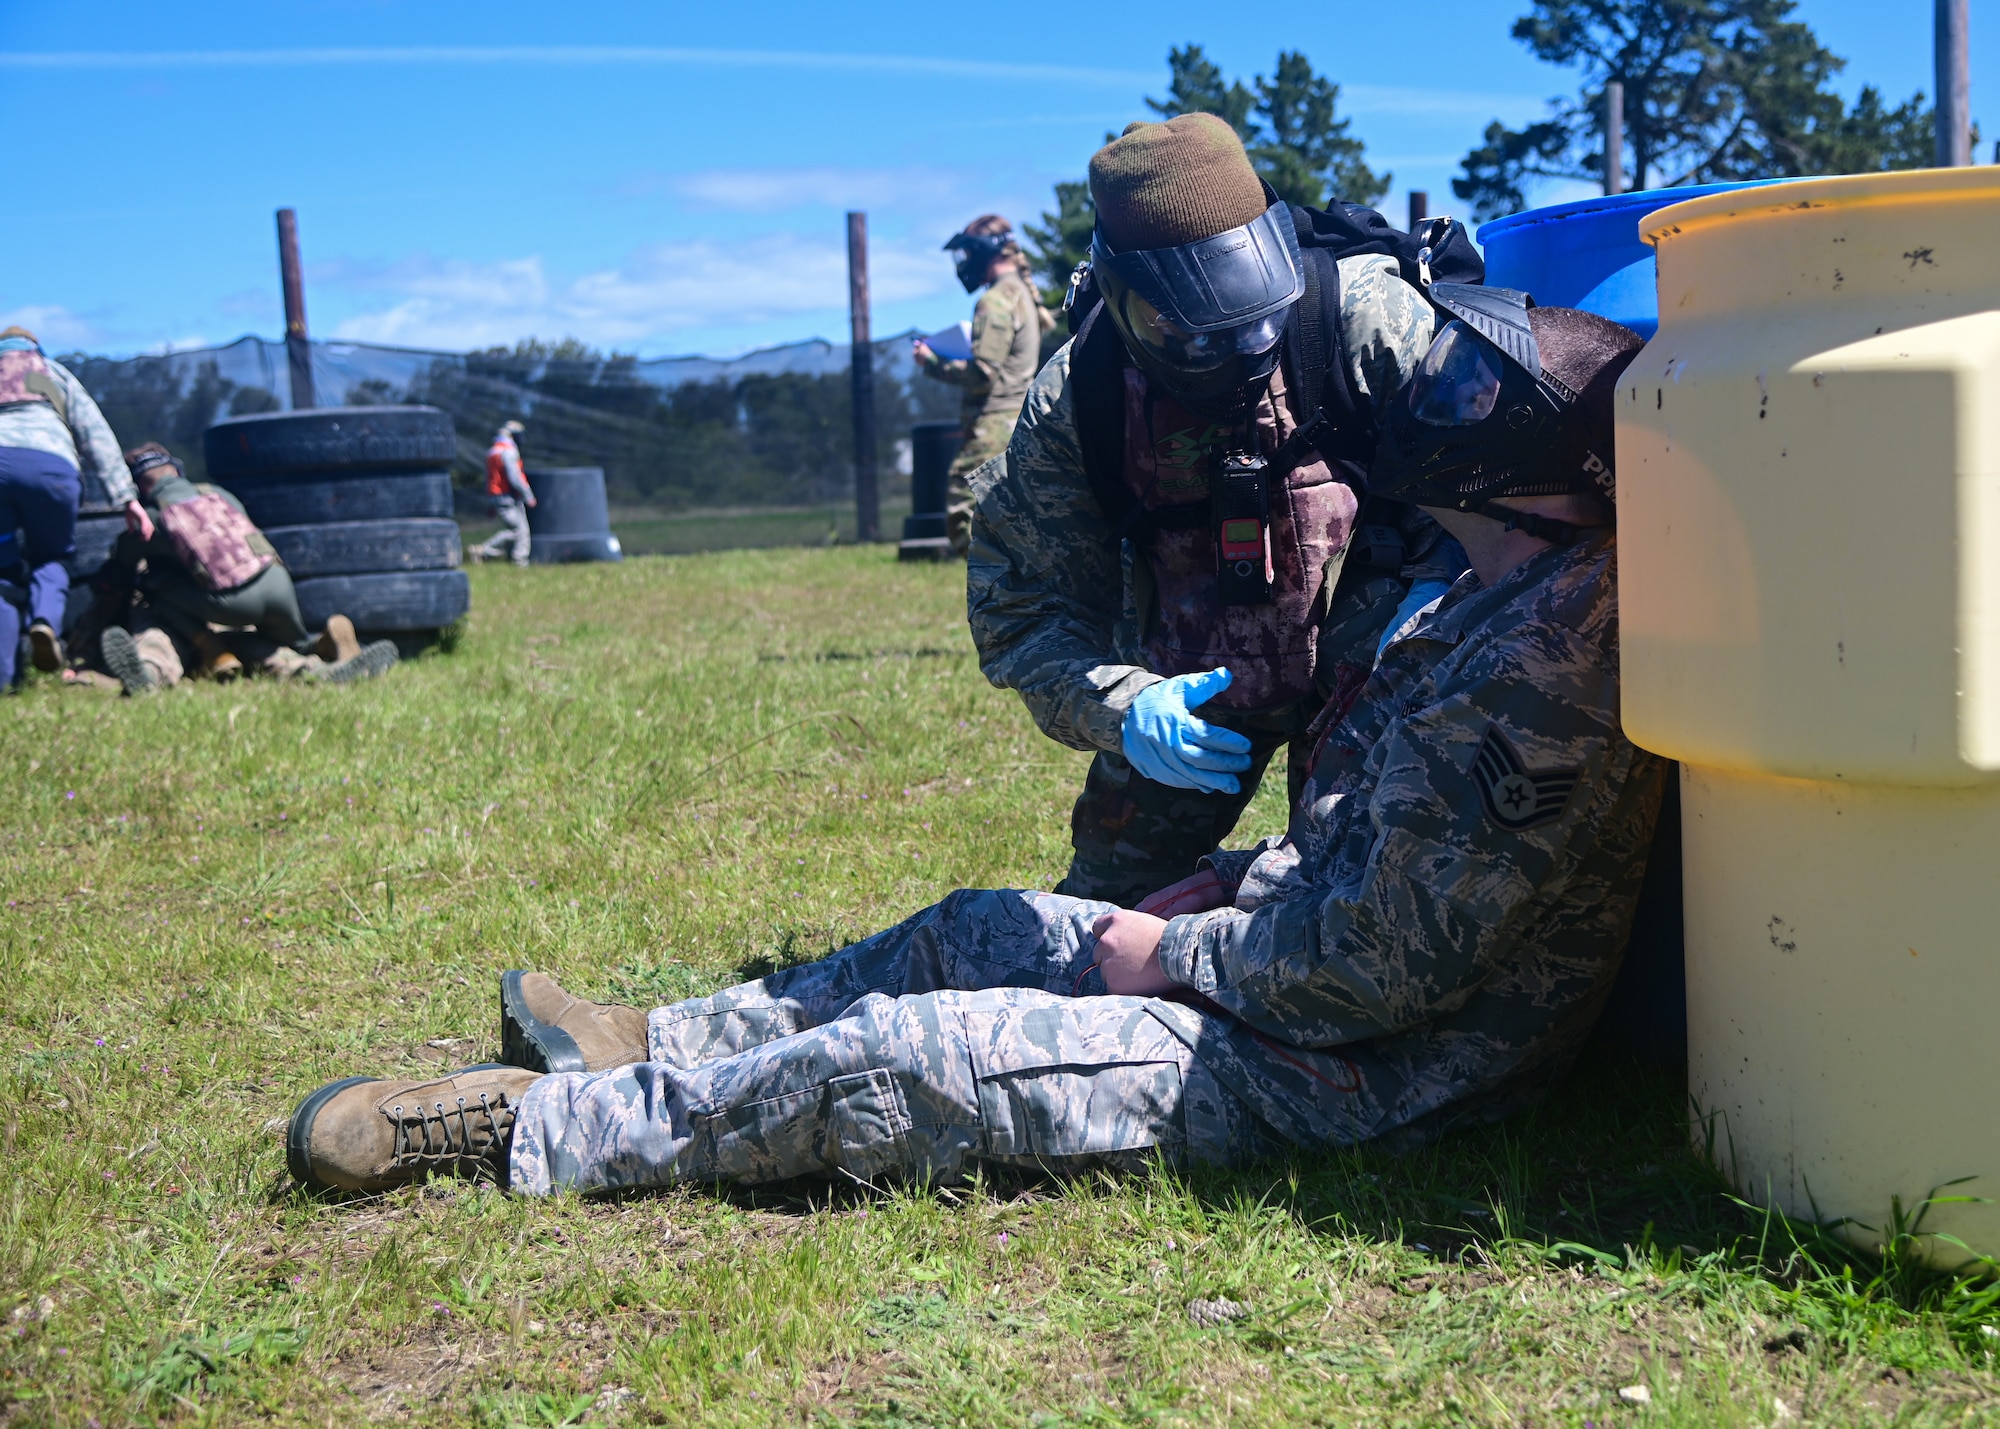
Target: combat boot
x,y
373,660
45,647
121,658
365,1134
338,641
544,1028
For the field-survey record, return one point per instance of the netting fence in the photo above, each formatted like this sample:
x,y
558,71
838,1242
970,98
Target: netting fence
x,y
772,428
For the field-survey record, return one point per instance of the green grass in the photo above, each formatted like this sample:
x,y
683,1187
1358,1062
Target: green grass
x,y
649,531
651,779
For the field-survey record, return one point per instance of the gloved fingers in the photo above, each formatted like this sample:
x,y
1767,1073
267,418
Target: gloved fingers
x,y
1199,689
1218,761
1188,774
1200,734
1163,767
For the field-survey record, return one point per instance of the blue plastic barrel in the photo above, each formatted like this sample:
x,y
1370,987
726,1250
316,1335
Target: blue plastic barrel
x,y
1587,254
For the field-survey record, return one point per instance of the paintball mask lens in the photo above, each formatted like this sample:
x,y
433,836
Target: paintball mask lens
x,y
1458,381
1175,347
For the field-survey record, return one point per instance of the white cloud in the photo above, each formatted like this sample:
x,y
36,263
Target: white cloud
x,y
637,305
55,327
569,55
760,190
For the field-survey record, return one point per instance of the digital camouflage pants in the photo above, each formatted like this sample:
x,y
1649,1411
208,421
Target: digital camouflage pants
x,y
986,439
975,1032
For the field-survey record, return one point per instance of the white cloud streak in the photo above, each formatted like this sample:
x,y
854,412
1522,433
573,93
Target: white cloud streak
x,y
1359,98
455,305
932,65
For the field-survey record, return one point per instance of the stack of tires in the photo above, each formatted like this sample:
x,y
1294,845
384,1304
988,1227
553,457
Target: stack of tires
x,y
357,501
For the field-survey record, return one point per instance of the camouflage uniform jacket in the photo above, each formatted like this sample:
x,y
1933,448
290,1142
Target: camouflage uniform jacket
x,y
1446,915
1006,350
1055,606
76,431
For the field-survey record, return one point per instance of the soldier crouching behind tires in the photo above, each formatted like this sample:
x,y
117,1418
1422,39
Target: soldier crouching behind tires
x,y
1174,523
207,565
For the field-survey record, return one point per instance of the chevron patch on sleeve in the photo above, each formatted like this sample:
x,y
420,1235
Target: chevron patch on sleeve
x,y
1517,798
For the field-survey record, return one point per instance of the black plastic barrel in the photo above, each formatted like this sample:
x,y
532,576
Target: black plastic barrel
x,y
932,446
571,519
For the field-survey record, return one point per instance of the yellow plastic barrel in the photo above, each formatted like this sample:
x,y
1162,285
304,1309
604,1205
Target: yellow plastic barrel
x,y
1809,569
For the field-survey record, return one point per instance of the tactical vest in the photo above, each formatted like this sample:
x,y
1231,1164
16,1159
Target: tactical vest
x,y
217,544
496,468
1316,435
1171,461
25,377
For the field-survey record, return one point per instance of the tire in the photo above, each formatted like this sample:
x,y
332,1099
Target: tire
x,y
95,536
387,602
560,550
327,439
344,548
399,497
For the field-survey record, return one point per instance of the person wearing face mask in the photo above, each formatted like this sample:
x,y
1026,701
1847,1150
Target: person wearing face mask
x,y
1173,565
1007,326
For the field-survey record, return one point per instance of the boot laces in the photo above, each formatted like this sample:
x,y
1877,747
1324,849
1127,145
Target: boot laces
x,y
465,1135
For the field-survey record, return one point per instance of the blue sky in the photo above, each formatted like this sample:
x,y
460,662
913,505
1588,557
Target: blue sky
x,y
659,178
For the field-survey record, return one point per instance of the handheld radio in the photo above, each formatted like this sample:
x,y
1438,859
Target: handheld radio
x,y
1241,505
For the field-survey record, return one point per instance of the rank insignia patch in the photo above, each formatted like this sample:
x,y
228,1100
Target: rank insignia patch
x,y
1516,798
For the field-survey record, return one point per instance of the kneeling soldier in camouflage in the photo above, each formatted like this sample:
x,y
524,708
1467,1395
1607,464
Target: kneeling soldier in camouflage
x,y
1426,948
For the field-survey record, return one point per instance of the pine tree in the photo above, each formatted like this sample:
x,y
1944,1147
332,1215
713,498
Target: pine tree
x,y
1714,90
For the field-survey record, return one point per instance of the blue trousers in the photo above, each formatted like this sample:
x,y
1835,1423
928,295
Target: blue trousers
x,y
38,496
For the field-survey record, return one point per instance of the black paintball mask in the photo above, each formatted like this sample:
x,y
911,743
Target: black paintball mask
x,y
1485,418
976,252
1206,320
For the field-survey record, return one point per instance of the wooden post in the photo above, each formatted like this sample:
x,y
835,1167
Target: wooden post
x,y
1952,43
298,351
867,498
1614,137
1420,207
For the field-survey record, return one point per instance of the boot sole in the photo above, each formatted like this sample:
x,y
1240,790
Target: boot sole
x,y
526,1040
376,659
121,658
298,1136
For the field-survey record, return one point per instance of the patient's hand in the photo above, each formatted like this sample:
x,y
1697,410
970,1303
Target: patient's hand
x,y
1197,893
1128,946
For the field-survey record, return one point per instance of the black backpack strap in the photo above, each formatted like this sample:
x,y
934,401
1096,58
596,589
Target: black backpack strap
x,y
1339,429
1097,402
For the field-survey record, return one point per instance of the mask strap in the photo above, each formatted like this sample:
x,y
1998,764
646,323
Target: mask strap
x,y
1542,528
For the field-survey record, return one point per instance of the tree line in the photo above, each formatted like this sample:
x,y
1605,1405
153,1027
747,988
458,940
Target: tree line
x,y
1715,90
758,439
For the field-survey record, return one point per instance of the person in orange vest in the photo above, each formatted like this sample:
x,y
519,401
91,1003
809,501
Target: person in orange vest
x,y
507,485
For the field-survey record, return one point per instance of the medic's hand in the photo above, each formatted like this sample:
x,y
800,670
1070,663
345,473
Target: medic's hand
x,y
1197,893
136,519
1128,953
1169,745
921,350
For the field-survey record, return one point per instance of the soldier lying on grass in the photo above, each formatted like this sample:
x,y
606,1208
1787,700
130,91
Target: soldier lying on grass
x,y
1426,947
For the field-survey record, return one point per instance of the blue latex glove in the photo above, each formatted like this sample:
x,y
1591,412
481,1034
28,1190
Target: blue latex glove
x,y
1422,593
1169,745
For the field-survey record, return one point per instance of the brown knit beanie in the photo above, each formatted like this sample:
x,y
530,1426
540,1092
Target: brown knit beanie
x,y
1162,185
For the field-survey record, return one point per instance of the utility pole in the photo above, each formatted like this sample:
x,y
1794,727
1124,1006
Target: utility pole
x,y
861,367
1614,135
1952,40
1420,207
298,351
